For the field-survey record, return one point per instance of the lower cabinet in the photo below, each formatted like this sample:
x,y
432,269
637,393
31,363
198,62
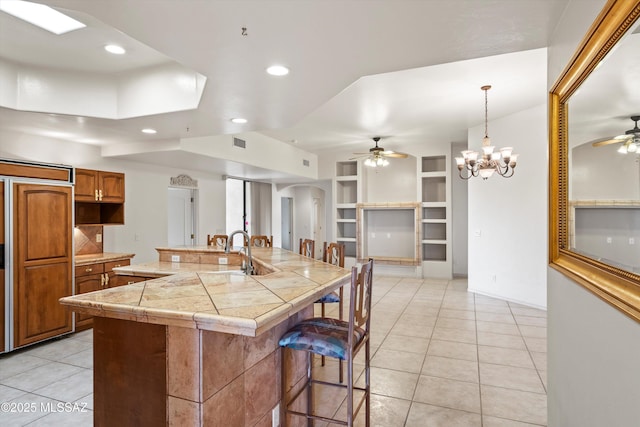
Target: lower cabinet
x,y
95,277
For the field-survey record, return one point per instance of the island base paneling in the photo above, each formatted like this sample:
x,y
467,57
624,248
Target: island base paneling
x,y
145,372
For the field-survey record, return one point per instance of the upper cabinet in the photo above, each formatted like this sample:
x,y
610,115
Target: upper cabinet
x,y
99,197
99,186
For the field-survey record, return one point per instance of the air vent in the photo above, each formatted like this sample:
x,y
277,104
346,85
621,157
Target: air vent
x,y
305,162
240,143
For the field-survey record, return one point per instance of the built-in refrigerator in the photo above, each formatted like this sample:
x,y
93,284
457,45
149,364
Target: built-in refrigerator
x,y
36,252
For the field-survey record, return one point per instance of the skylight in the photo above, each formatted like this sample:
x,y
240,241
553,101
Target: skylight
x,y
40,15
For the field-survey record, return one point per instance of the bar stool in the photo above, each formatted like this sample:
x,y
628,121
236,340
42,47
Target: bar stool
x,y
333,253
219,240
308,248
261,241
334,338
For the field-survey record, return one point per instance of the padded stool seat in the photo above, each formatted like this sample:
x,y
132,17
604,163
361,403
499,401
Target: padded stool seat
x,y
322,335
333,297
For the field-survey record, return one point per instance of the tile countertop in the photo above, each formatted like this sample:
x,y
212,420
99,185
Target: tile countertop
x,y
101,257
163,269
220,301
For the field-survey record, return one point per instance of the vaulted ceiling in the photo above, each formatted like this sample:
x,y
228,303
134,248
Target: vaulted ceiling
x,y
409,70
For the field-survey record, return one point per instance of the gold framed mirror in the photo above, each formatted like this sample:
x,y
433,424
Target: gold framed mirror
x,y
610,280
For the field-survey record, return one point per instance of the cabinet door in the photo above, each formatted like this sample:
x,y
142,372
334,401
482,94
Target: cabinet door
x,y
84,284
115,280
111,187
86,185
43,260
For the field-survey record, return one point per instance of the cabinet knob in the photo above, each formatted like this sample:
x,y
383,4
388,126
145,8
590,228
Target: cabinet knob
x,y
97,196
102,281
88,270
118,265
100,195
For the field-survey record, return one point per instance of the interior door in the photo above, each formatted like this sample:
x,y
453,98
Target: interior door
x,y
180,216
2,282
317,220
43,260
286,222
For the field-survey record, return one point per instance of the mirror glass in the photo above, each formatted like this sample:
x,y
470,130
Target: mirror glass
x,y
604,159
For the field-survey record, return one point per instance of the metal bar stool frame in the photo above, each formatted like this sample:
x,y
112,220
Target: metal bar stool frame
x,y
359,316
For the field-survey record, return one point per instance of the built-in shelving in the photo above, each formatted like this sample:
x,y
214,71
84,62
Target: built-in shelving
x,y
346,192
364,225
435,235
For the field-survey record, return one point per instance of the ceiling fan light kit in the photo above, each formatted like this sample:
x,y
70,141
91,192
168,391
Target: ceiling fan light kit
x,y
630,139
489,161
376,157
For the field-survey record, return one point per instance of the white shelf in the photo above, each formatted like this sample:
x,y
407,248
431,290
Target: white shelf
x,y
433,174
347,178
433,221
435,242
346,220
346,239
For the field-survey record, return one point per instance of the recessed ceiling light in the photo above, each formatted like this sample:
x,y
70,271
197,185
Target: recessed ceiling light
x,y
115,49
239,120
278,70
40,15
149,131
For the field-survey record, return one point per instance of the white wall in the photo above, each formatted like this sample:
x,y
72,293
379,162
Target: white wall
x,y
508,216
395,182
459,217
593,353
593,357
603,174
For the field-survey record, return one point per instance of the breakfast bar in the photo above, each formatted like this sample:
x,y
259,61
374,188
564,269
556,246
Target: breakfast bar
x,y
198,345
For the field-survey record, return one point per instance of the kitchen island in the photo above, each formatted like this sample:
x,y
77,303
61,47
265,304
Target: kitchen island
x,y
200,347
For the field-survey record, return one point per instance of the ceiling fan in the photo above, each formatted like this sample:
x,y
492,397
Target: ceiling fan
x,y
377,155
630,140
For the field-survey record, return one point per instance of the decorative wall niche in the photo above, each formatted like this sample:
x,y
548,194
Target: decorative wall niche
x,y
389,233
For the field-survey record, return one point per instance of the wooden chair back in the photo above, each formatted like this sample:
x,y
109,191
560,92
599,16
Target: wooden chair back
x,y
333,253
360,300
308,248
218,240
261,241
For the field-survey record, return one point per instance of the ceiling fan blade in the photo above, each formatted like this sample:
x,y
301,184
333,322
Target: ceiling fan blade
x,y
360,156
394,154
608,142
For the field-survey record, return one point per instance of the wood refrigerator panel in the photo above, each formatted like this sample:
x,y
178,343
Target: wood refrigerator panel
x,y
43,261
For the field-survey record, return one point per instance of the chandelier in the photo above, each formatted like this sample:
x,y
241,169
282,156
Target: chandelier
x,y
502,162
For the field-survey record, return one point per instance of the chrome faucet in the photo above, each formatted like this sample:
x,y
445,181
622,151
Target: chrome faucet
x,y
249,266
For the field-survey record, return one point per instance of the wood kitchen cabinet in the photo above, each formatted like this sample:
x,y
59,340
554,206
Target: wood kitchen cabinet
x,y
96,277
99,197
99,186
43,259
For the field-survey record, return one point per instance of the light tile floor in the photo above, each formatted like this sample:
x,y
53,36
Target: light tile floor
x,y
441,356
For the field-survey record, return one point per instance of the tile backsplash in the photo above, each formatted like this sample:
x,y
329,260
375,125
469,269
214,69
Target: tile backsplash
x,y
88,239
